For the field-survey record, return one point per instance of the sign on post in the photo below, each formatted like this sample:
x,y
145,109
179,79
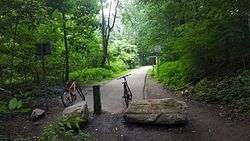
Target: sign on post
x,y
152,60
43,49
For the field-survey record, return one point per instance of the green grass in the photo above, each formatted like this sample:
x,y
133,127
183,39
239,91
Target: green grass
x,y
98,75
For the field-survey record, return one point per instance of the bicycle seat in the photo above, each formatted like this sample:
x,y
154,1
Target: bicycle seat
x,y
123,76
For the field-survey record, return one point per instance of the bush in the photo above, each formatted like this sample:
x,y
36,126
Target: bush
x,y
15,104
232,90
117,66
174,74
67,128
125,52
3,107
92,75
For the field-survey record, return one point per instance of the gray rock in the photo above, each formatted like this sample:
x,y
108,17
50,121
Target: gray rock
x,y
37,114
79,109
157,111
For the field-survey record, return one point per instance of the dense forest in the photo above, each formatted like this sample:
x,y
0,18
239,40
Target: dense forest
x,y
203,47
72,30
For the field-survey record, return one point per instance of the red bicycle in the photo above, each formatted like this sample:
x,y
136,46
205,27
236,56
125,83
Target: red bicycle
x,y
72,93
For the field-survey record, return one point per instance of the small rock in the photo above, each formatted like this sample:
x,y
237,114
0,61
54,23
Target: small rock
x,y
79,109
37,114
36,123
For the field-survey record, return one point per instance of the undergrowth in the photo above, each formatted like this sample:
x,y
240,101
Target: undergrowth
x,y
231,90
94,75
66,129
173,74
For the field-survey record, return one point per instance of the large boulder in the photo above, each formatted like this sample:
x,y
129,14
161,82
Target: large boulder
x,y
157,111
79,109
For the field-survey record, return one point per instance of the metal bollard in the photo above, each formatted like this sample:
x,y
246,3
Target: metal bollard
x,y
97,99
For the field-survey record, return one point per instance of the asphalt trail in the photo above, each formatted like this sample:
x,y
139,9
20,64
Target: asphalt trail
x,y
111,93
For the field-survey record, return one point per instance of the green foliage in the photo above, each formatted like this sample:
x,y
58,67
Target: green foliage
x,y
15,104
3,107
233,90
117,66
91,75
67,128
27,22
203,43
174,74
94,75
124,51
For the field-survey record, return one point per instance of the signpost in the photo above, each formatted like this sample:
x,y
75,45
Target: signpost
x,y
42,50
158,52
153,61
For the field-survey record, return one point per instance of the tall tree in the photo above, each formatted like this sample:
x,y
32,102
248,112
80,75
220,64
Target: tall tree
x,y
108,23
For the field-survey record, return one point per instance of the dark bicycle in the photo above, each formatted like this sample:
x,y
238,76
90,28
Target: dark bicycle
x,y
127,94
72,92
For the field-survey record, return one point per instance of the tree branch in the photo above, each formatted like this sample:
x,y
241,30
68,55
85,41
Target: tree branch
x,y
115,16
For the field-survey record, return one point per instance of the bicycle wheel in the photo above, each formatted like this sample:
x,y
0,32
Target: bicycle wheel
x,y
126,95
81,93
67,99
126,99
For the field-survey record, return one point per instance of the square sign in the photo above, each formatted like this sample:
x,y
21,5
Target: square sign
x,y
152,60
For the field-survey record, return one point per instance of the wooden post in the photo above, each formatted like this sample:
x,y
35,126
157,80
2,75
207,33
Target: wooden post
x,y
97,99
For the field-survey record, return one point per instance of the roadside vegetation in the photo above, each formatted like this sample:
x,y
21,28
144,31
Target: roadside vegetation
x,y
66,128
203,46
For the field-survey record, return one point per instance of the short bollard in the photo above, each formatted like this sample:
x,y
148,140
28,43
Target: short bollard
x,y
97,99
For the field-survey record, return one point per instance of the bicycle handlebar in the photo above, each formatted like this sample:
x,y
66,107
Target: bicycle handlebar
x,y
123,76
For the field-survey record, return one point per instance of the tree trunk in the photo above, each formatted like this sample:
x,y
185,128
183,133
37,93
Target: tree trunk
x,y
104,47
13,55
107,27
249,21
66,49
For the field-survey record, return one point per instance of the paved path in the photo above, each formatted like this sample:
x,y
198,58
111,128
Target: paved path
x,y
111,93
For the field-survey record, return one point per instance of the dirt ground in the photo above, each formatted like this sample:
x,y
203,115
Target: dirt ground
x,y
18,126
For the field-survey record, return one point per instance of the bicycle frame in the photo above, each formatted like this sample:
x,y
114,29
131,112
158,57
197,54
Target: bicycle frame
x,y
126,89
127,95
71,93
72,88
